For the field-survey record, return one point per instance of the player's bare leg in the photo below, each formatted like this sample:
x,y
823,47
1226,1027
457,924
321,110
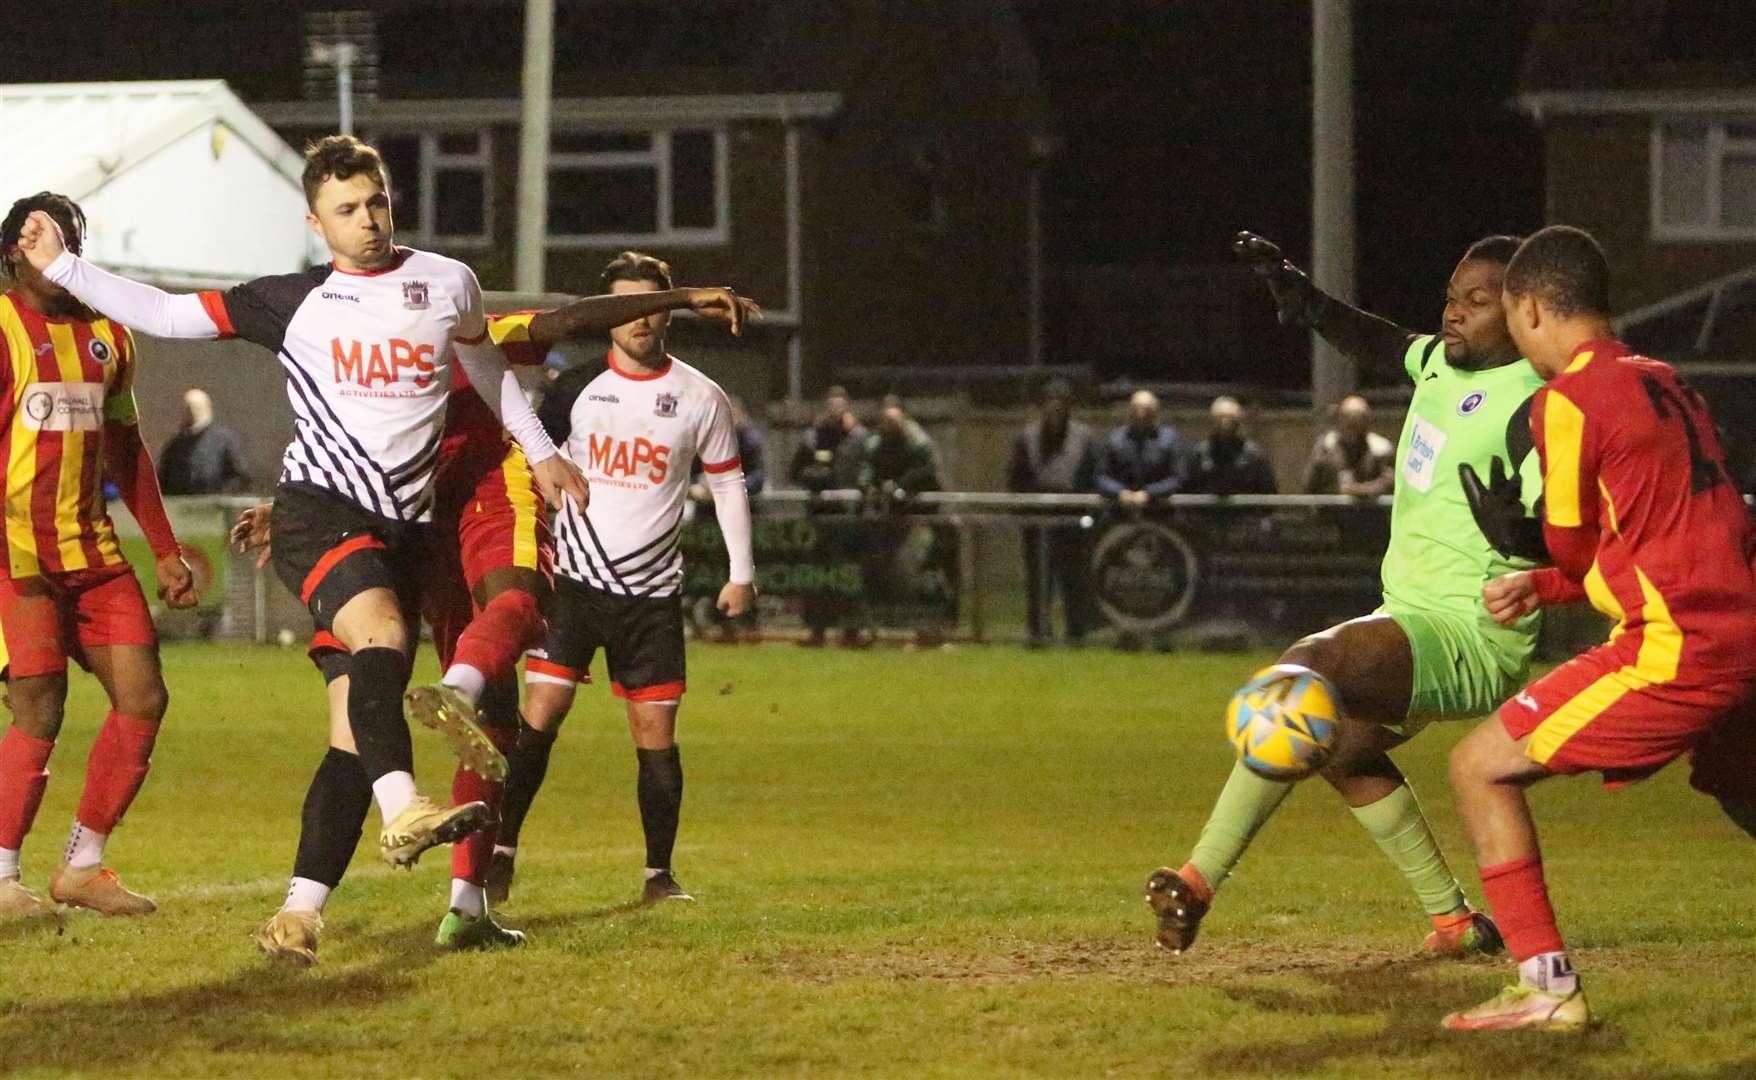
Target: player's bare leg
x,y
371,627
114,773
547,700
1370,663
37,702
1489,774
653,724
508,622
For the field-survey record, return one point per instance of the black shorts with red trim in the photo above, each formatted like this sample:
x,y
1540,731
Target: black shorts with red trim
x,y
641,636
328,550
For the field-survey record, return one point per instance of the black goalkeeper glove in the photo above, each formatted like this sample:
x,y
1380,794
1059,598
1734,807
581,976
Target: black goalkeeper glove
x,y
1499,512
1296,300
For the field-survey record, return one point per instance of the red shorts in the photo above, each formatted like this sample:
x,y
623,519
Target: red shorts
x,y
47,619
489,515
1604,711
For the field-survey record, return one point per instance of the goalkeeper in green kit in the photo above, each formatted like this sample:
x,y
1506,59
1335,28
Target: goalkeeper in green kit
x,y
1431,652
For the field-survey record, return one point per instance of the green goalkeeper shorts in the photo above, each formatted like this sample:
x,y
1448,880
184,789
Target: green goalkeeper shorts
x,y
1463,669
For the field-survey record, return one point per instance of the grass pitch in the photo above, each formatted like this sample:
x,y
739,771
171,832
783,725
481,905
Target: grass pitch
x,y
907,864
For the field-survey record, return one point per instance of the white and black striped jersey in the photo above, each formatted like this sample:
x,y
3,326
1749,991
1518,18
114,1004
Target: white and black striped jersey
x,y
636,438
368,360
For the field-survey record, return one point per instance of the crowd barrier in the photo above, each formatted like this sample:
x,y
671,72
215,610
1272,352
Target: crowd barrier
x,y
1192,571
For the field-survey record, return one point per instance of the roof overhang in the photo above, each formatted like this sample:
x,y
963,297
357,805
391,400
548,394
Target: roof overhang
x,y
1542,104
568,111
167,111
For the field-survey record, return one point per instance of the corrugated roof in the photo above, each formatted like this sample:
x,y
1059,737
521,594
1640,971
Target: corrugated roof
x,y
76,137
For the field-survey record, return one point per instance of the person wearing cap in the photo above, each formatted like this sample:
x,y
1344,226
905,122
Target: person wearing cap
x,y
1228,462
1056,454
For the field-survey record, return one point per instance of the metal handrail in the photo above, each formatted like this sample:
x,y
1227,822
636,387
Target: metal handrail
x,y
1013,500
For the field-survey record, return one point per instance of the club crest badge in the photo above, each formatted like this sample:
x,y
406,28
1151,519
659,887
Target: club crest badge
x,y
100,351
414,295
1471,402
666,405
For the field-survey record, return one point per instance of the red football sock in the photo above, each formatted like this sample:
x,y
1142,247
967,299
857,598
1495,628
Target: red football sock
x,y
471,855
24,775
500,633
1519,900
116,769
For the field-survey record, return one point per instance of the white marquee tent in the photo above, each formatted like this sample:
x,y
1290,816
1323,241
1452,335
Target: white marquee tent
x,y
181,183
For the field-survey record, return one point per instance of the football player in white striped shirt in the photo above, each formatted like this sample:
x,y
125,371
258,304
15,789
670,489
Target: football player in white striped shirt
x,y
635,423
368,345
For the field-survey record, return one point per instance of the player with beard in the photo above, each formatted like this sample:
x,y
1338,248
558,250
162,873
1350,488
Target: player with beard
x,y
634,423
1431,651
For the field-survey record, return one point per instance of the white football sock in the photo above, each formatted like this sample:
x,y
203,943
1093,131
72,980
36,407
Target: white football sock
x,y
8,863
394,791
306,895
85,847
502,849
466,680
1550,972
468,899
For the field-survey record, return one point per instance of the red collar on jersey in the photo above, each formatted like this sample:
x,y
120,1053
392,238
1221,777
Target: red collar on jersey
x,y
637,377
402,254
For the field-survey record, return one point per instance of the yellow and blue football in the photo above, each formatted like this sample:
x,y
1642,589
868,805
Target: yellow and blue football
x,y
1284,722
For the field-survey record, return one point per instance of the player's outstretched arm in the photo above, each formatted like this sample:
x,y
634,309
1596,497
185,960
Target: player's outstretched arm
x,y
1374,343
594,316
145,308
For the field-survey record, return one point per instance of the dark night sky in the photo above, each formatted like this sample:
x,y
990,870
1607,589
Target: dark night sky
x,y
1186,120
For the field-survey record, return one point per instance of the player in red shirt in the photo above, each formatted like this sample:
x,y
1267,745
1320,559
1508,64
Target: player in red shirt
x,y
68,422
1642,517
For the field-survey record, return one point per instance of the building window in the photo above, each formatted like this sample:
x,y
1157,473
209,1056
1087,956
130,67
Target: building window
x,y
1704,179
625,188
442,185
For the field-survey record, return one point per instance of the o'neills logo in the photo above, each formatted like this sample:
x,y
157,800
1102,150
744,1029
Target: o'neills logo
x,y
614,457
382,364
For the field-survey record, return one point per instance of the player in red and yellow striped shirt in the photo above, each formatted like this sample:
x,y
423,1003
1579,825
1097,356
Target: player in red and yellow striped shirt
x,y
68,422
1642,517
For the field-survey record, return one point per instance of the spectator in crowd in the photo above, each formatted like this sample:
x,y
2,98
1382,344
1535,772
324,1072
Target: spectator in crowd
x,y
909,567
832,453
1349,459
1056,454
204,457
903,459
1143,460
1228,462
832,456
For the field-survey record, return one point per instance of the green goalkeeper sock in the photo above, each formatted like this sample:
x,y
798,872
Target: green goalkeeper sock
x,y
1245,804
1396,823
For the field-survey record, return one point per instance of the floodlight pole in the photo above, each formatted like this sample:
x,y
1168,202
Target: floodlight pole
x,y
533,144
1332,183
341,56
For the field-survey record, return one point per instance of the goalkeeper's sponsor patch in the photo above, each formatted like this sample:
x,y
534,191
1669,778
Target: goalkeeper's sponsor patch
x,y
1424,445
